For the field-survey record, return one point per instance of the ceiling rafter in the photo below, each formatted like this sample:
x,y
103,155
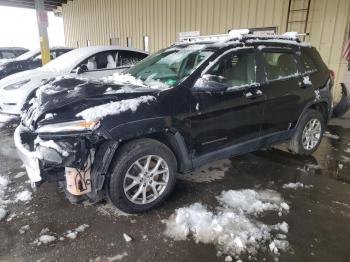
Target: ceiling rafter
x,y
50,5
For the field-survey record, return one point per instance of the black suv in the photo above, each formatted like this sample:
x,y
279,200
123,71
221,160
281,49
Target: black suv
x,y
178,109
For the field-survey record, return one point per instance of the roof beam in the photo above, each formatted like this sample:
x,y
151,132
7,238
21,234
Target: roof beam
x,y
49,4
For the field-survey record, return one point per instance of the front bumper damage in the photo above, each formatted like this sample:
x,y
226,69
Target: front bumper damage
x,y
78,160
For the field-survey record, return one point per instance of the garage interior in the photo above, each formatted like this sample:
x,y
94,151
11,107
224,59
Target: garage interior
x,y
319,212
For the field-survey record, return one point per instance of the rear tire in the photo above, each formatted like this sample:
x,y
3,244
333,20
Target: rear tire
x,y
143,176
308,134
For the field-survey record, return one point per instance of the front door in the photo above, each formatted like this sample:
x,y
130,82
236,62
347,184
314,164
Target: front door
x,y
231,115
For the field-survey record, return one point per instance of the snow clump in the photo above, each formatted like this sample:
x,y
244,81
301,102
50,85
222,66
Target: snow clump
x,y
233,228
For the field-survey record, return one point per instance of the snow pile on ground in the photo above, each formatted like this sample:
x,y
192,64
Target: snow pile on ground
x,y
23,229
233,227
23,196
114,108
72,234
3,188
208,173
46,236
293,185
252,202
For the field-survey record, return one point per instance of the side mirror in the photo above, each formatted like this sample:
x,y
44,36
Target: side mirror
x,y
82,69
211,83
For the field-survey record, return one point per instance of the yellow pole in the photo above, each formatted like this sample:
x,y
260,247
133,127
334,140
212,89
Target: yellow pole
x,y
43,23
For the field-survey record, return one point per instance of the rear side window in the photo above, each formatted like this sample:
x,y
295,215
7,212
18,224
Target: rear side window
x,y
237,69
309,64
280,65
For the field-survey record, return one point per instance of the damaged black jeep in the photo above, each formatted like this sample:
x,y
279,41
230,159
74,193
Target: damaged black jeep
x,y
187,105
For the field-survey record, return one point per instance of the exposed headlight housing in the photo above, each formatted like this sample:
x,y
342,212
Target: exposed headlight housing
x,y
16,85
79,125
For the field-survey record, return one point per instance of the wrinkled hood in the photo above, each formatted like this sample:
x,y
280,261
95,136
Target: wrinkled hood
x,y
68,96
35,74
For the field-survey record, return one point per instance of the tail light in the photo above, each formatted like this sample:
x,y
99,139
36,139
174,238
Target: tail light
x,y
332,74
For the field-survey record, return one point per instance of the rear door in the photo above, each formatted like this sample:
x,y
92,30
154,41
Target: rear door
x,y
284,89
232,116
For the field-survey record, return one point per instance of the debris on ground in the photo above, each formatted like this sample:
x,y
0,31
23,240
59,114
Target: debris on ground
x,y
127,238
23,229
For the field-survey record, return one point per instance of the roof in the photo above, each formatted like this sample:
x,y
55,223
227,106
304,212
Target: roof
x,y
50,5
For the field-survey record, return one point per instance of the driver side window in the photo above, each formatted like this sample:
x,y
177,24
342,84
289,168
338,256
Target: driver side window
x,y
236,69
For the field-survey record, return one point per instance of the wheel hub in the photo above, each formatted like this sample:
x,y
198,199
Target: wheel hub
x,y
311,134
146,179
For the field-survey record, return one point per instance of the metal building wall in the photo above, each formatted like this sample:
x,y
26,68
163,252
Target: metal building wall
x,y
162,20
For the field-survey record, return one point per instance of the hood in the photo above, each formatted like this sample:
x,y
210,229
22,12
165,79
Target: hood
x,y
35,74
66,97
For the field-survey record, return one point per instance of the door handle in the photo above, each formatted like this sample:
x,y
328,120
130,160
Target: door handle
x,y
253,94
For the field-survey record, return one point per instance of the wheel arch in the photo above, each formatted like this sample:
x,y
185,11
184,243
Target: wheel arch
x,y
322,107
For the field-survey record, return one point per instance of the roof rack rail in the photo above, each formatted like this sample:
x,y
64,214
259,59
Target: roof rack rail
x,y
235,33
240,34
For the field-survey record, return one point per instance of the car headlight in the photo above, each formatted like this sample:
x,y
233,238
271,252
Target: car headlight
x,y
79,125
16,85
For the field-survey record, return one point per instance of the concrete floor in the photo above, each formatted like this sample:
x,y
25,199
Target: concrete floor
x,y
319,218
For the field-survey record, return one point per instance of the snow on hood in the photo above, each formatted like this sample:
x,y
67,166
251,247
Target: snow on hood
x,y
114,108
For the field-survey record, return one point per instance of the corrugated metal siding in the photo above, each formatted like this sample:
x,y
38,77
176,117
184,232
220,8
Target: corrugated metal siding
x,y
162,20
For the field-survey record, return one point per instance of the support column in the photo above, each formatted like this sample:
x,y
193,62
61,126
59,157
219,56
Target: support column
x,y
43,23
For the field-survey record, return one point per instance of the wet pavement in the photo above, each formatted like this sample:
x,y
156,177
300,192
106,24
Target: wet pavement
x,y
319,217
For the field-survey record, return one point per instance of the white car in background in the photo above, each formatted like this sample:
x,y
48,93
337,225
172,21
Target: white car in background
x,y
87,62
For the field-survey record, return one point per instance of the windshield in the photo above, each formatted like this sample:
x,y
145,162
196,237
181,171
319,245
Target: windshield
x,y
28,54
170,66
65,61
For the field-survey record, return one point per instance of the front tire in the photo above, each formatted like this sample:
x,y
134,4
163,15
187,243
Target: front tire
x,y
308,134
143,176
